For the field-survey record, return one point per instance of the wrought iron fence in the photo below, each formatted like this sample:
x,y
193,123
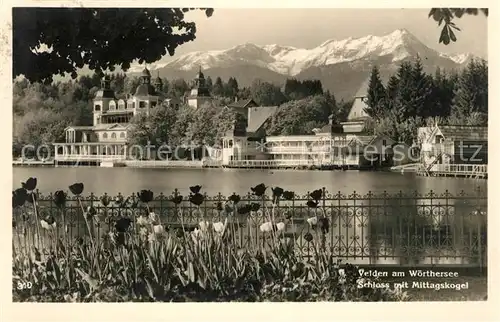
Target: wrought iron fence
x,y
407,229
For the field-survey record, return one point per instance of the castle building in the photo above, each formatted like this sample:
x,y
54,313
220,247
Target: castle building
x,y
106,139
200,93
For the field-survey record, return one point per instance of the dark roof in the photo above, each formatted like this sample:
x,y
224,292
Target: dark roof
x,y
105,93
145,90
243,103
464,132
258,116
146,73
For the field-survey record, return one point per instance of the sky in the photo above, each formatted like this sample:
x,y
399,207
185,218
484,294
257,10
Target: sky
x,y
308,28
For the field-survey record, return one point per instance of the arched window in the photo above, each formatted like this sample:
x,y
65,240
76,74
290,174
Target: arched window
x,y
97,107
112,105
113,135
105,135
122,135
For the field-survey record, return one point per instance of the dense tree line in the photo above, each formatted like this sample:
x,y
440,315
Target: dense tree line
x,y
411,98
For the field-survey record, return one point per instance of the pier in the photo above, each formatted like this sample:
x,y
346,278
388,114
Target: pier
x,y
30,163
476,171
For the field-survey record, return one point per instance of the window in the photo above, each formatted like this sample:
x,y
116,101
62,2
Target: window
x,y
112,105
105,135
113,135
122,135
230,143
97,107
384,142
153,104
142,104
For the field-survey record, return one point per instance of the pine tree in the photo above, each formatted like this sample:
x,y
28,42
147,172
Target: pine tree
x,y
218,87
422,86
209,83
471,94
376,95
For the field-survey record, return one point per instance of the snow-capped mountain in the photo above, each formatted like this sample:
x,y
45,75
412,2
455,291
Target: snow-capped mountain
x,y
287,60
341,65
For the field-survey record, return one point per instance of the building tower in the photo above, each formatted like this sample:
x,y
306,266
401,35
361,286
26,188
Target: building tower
x,y
200,93
158,83
103,98
145,96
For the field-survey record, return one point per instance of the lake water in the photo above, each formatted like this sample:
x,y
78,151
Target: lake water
x,y
226,181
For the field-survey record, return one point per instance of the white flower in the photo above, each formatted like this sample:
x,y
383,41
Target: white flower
x,y
158,229
196,234
280,226
341,272
219,227
204,225
266,227
46,225
142,221
143,231
153,217
313,221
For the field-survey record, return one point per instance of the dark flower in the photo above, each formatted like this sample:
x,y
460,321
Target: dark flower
x,y
196,199
30,184
145,196
323,225
255,206
244,210
219,206
76,188
49,219
288,195
228,208
195,189
91,211
19,197
60,198
105,200
177,199
259,189
123,224
312,204
277,193
31,197
179,233
316,194
234,198
308,237
119,200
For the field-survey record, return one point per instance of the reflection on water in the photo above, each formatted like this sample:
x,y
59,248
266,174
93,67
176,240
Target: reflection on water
x,y
407,225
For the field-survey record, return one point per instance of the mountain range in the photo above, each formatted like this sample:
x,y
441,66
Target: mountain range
x,y
341,65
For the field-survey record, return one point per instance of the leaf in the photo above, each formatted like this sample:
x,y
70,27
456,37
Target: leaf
x,y
150,290
91,281
190,272
452,35
444,38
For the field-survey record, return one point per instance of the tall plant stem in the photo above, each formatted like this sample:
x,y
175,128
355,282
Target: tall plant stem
x,y
86,222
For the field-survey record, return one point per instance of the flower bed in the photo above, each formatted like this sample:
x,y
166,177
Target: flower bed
x,y
140,259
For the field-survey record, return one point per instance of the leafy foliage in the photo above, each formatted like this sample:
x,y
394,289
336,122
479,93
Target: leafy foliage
x,y
302,116
99,38
412,97
446,16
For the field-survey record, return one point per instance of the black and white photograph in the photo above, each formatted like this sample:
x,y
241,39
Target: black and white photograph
x,y
249,154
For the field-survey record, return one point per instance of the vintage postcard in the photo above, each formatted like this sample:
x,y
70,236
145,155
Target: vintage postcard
x,y
225,154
